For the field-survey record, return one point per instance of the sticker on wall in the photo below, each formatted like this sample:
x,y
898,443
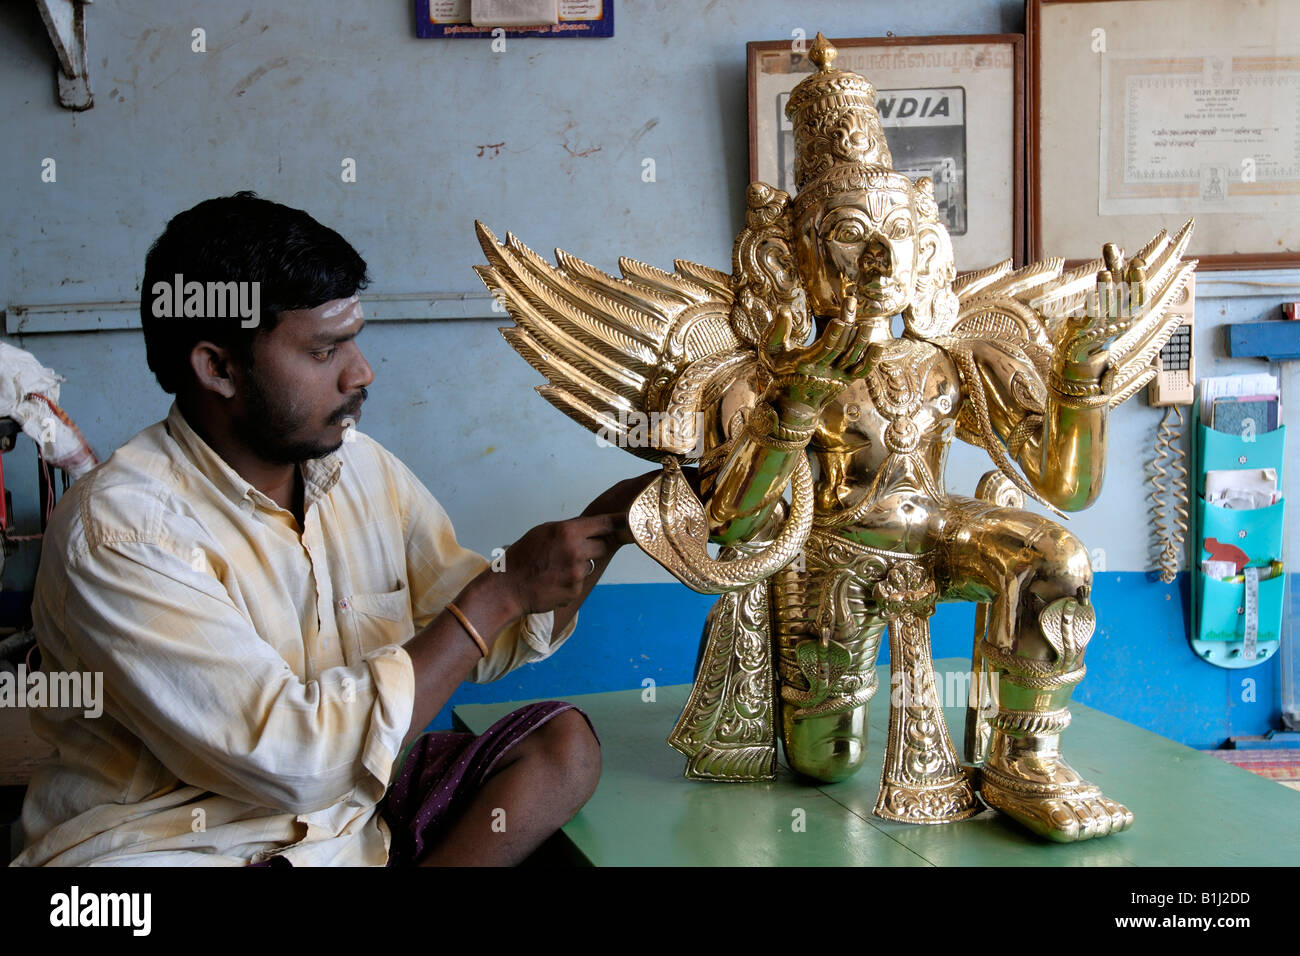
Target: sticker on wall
x,y
513,18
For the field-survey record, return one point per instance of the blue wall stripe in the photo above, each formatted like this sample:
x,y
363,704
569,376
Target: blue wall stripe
x,y
1140,665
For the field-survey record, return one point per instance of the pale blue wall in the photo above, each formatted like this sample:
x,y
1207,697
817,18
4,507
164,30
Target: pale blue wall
x,y
289,89
286,91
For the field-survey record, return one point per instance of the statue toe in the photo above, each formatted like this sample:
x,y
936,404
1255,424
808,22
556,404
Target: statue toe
x,y
1063,824
1121,817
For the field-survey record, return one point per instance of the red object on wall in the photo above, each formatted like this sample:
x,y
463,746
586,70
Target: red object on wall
x,y
1226,552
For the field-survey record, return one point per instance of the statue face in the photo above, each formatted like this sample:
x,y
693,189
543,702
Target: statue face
x,y
867,236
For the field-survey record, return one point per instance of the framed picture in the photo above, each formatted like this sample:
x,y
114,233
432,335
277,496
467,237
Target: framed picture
x,y
952,109
1147,112
450,19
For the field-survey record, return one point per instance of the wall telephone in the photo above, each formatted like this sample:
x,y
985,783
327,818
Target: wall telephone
x,y
1173,387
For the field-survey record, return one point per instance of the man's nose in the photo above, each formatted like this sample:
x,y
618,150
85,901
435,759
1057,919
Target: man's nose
x,y
359,373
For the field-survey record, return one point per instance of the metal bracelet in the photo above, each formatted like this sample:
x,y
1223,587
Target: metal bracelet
x,y
1073,401
1074,394
1032,722
768,441
765,428
793,433
785,381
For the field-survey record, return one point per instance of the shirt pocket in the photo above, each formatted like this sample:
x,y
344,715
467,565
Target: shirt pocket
x,y
381,618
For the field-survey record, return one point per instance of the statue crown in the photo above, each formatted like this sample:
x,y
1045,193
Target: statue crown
x,y
835,119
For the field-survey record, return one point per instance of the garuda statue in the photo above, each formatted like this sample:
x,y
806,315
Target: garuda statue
x,y
786,374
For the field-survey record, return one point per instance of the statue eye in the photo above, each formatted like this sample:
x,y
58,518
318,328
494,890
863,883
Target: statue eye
x,y
900,228
848,231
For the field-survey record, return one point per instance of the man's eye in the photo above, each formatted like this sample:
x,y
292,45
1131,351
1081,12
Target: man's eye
x,y
324,355
848,232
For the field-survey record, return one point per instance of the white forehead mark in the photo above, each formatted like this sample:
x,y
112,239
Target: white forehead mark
x,y
343,306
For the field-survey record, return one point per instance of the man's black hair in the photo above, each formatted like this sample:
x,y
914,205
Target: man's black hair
x,y
297,262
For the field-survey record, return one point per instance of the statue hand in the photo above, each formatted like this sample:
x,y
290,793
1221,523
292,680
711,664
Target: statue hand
x,y
1121,296
808,377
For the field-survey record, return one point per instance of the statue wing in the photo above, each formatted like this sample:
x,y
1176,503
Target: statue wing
x,y
646,342
1029,307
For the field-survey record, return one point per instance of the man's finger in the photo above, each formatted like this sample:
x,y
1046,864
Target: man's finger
x,y
592,552
599,526
621,535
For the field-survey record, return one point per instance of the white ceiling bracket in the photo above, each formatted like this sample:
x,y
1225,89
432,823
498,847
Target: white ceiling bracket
x,y
65,21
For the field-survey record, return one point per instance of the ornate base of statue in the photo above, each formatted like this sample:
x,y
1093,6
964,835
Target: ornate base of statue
x,y
921,781
1025,363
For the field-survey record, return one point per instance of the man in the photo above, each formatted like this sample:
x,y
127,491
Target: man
x,y
279,607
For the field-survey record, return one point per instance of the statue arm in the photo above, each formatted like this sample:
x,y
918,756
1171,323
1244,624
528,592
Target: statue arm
x,y
750,472
1055,430
798,382
1047,396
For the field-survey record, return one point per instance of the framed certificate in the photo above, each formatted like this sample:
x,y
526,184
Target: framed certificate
x,y
1144,113
952,108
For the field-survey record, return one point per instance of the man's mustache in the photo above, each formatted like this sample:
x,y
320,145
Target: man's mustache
x,y
352,409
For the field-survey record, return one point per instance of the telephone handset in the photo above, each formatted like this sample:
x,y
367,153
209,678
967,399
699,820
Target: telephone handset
x,y
1173,384
1173,387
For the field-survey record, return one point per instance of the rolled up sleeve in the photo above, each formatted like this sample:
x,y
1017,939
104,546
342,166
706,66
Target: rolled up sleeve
x,y
527,641
214,702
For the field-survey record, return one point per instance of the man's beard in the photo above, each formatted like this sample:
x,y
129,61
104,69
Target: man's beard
x,y
269,421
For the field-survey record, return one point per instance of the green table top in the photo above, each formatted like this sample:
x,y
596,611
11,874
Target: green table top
x,y
1191,809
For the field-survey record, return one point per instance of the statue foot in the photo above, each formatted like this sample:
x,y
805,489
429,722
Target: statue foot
x,y
1035,787
827,748
1082,814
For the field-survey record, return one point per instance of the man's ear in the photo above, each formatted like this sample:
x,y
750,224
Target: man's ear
x,y
214,368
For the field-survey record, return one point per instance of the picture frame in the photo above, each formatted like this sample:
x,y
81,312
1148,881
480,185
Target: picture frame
x,y
1144,113
952,108
450,20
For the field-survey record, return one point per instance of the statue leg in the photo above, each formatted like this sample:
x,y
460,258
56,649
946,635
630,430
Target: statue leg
x,y
1037,577
826,656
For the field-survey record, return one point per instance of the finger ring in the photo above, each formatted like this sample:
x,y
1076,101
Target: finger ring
x,y
592,570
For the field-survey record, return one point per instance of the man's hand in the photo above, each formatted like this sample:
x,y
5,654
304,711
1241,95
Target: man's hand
x,y
549,567
617,499
556,564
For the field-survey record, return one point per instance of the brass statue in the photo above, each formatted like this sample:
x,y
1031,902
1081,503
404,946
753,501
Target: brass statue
x,y
1025,363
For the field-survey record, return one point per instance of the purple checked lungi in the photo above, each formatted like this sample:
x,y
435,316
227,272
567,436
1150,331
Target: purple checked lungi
x,y
443,771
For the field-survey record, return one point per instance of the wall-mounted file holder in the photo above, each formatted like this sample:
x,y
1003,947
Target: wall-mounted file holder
x,y
1229,618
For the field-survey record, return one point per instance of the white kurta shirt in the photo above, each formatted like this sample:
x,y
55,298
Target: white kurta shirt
x,y
256,692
